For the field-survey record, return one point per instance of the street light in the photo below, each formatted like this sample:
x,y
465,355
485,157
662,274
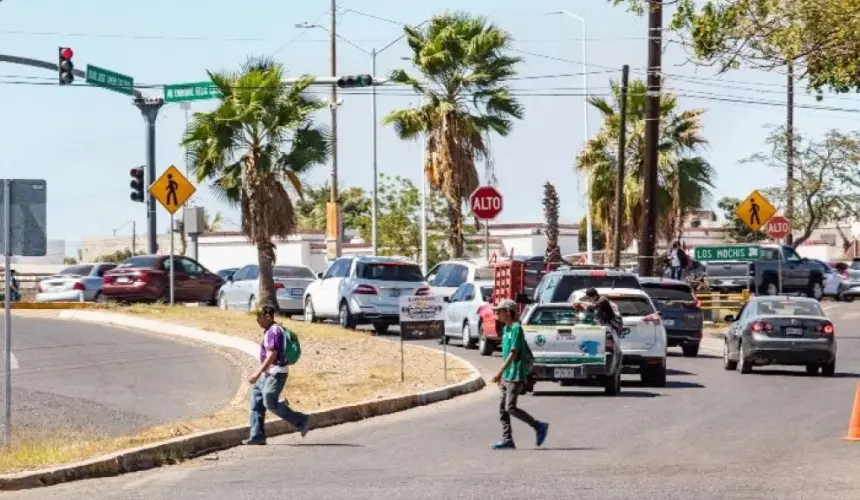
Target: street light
x,y
372,53
588,237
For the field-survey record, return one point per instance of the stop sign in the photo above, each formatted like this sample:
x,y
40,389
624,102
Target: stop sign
x,y
778,227
486,202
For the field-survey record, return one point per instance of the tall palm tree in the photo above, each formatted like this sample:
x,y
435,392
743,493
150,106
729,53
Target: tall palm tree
x,y
463,62
252,149
685,181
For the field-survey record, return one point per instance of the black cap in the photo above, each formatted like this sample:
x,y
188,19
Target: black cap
x,y
591,292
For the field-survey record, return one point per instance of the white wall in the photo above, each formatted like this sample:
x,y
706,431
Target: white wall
x,y
220,252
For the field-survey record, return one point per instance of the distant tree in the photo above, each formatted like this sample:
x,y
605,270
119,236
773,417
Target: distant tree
x,y
550,213
118,256
735,229
598,238
70,260
354,207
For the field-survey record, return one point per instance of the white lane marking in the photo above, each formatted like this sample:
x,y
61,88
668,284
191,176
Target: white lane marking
x,y
14,363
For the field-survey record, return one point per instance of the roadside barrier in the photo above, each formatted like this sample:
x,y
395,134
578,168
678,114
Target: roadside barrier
x,y
716,306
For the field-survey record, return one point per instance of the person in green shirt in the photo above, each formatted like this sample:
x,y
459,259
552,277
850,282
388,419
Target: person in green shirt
x,y
512,376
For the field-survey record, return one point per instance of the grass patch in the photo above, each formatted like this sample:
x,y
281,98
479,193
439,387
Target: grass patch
x,y
338,367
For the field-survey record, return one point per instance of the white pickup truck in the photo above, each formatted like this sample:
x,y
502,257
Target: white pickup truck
x,y
571,349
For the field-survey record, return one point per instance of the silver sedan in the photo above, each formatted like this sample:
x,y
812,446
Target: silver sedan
x,y
79,282
241,290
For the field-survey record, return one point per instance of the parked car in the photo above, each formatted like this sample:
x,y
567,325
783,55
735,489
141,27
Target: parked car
x,y
462,320
643,340
363,290
74,283
146,278
241,289
445,277
780,331
778,264
226,274
681,312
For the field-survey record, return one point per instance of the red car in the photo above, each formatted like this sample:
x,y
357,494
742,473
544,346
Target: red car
x,y
146,278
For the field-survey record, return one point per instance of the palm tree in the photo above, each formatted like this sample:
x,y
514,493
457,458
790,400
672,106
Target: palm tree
x,y
464,62
685,181
252,149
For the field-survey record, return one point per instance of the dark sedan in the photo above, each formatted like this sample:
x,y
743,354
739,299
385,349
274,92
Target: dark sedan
x,y
146,278
681,312
781,331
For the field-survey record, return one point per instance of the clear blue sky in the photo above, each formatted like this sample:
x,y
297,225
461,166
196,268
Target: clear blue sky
x,y
84,140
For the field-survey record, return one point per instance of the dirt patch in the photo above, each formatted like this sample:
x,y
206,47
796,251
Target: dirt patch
x,y
337,367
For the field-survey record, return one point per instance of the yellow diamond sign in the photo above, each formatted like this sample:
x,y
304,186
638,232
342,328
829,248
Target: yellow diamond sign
x,y
755,211
172,189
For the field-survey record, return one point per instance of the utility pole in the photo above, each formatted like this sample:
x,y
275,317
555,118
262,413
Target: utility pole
x,y
149,107
789,154
374,209
648,236
333,212
133,238
619,180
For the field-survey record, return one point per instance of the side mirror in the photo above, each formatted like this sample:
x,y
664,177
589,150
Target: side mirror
x,y
446,299
320,275
729,319
524,299
229,278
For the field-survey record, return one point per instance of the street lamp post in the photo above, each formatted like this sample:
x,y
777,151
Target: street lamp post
x,y
588,231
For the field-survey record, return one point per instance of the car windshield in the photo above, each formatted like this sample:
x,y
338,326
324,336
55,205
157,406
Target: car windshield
x,y
484,273
292,272
669,293
788,307
389,271
549,316
139,262
486,293
632,306
855,264
573,282
77,271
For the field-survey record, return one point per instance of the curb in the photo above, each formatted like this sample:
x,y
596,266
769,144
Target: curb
x,y
194,445
53,305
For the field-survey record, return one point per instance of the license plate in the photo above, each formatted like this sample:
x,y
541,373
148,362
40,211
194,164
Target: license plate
x,y
394,293
794,331
123,279
564,373
669,322
296,292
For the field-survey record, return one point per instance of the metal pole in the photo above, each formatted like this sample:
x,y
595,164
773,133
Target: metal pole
x,y
333,196
619,180
133,238
194,243
487,239
789,154
402,362
171,260
589,237
648,236
7,327
779,266
149,107
374,207
444,359
423,212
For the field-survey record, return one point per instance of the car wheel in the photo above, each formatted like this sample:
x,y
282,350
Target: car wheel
x,y
222,301
828,369
100,298
812,370
310,313
654,376
690,350
380,328
728,363
345,318
252,304
744,364
848,298
486,346
816,291
613,384
468,341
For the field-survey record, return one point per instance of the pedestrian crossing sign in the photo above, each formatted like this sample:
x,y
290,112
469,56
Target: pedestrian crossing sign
x,y
172,189
755,211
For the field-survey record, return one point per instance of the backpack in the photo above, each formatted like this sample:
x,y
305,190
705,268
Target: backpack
x,y
292,346
683,258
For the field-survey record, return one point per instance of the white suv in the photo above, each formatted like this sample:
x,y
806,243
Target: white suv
x,y
447,276
643,340
362,290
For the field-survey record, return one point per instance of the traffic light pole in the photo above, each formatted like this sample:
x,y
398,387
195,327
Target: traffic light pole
x,y
149,108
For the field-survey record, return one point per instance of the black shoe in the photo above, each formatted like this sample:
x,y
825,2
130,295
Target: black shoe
x,y
254,442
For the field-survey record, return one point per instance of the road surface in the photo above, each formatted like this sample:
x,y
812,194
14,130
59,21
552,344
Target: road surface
x,y
709,435
72,377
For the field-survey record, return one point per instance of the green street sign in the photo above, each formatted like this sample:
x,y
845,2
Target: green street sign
x,y
731,252
111,80
191,92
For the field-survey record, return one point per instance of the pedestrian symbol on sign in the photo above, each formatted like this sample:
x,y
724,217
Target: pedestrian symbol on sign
x,y
171,190
754,208
755,211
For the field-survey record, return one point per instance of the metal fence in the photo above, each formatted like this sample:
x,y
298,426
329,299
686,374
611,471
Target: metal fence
x,y
716,306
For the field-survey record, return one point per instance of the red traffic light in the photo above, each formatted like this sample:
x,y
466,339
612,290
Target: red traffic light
x,y
67,53
136,172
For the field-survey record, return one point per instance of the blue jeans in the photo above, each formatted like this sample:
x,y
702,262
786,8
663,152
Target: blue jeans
x,y
675,272
265,395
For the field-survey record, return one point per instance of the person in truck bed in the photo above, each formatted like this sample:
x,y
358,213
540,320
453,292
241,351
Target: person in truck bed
x,y
606,312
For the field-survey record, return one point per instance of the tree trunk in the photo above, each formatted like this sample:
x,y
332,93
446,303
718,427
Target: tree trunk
x,y
846,243
455,223
266,260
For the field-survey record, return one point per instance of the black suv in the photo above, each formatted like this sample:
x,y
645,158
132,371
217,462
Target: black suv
x,y
681,312
558,286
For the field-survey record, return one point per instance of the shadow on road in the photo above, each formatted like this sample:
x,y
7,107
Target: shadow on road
x,y
325,445
672,371
680,384
566,448
622,394
802,374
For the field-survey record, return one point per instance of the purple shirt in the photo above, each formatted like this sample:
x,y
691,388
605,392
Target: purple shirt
x,y
273,338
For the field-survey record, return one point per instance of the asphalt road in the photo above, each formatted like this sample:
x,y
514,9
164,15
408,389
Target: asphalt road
x,y
710,434
77,378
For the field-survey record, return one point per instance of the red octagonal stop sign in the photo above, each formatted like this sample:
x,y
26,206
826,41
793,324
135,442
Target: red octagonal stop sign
x,y
486,202
778,227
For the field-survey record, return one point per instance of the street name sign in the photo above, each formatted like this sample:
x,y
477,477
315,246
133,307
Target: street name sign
x,y
183,92
727,252
172,189
111,80
755,211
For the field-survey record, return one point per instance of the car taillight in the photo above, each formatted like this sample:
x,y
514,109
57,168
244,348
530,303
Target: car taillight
x,y
652,319
696,304
761,326
364,290
279,286
79,286
825,328
107,279
143,277
423,291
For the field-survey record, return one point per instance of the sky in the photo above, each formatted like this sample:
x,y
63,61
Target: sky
x,y
83,140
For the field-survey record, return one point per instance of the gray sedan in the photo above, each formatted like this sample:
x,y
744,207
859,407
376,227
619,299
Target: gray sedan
x,y
241,290
80,282
781,331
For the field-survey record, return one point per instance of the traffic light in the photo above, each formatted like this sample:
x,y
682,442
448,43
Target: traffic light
x,y
136,184
346,82
66,66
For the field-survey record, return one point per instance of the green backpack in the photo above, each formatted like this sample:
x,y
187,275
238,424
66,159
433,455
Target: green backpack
x,y
292,346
